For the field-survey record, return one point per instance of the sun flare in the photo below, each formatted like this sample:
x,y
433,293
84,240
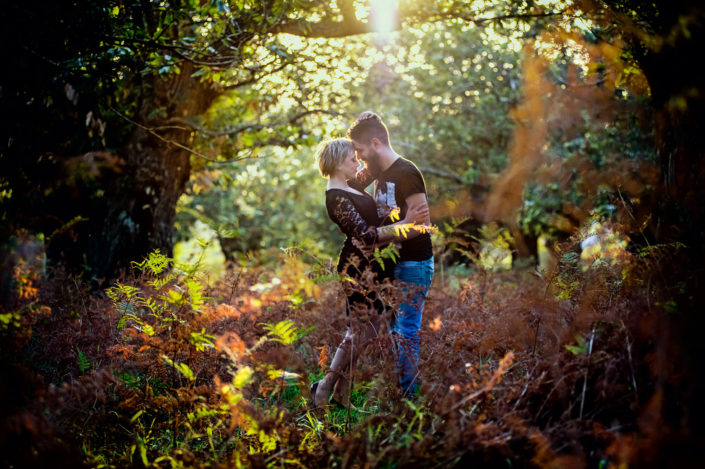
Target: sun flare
x,y
383,15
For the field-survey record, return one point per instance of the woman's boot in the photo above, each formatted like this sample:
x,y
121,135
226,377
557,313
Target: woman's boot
x,y
341,391
321,390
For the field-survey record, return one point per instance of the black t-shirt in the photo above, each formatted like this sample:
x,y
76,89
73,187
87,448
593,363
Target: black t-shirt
x,y
356,215
392,187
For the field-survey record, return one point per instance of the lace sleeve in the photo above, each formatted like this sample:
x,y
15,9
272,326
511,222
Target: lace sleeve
x,y
351,222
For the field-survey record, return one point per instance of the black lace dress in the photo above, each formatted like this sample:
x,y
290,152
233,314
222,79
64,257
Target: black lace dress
x,y
356,216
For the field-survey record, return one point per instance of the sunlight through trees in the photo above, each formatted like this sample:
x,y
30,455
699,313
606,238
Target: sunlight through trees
x,y
167,280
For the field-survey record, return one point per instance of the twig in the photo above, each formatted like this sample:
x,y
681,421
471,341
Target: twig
x,y
443,174
526,387
641,227
536,335
629,354
538,413
235,284
587,369
172,142
243,128
275,456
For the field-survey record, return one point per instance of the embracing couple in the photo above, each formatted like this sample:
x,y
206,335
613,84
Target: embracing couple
x,y
368,223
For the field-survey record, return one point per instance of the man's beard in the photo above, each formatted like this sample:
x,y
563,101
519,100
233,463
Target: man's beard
x,y
372,164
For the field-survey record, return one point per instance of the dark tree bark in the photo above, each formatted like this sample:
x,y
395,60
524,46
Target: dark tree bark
x,y
678,96
673,423
137,215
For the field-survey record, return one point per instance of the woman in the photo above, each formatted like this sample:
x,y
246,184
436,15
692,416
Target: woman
x,y
355,213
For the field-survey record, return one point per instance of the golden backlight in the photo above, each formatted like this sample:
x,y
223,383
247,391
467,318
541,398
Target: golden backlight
x,y
383,15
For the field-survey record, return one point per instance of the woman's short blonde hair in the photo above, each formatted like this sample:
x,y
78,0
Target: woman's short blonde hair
x,y
331,153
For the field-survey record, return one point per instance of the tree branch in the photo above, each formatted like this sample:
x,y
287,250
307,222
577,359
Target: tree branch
x,y
510,16
323,29
151,131
215,133
254,78
349,26
443,174
244,128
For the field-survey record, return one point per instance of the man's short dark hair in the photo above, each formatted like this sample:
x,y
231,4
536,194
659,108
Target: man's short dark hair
x,y
364,130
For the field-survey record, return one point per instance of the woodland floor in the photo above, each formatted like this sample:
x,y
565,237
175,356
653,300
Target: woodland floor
x,y
516,370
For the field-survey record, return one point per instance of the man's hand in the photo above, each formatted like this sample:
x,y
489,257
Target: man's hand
x,y
418,214
417,207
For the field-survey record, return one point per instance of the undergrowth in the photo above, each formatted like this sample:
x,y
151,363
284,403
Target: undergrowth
x,y
162,369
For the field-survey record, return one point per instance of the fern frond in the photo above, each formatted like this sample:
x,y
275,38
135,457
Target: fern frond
x,y
388,252
325,278
159,283
120,290
156,263
83,363
195,293
243,377
152,305
201,340
140,325
283,332
182,368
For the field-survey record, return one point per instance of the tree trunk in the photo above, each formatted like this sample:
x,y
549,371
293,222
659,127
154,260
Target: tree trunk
x,y
678,97
138,209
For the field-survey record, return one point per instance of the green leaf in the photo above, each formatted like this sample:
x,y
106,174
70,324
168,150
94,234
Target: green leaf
x,y
83,363
136,416
182,368
201,340
283,332
580,349
155,263
243,377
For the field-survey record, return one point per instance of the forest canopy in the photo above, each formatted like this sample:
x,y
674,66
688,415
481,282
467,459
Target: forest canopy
x,y
137,98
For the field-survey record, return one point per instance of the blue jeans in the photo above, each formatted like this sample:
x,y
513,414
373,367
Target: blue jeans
x,y
416,279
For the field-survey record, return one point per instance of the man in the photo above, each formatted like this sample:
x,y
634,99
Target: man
x,y
398,183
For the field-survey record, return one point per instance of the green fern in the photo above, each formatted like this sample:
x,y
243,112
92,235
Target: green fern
x,y
243,377
284,332
149,303
580,349
388,252
121,323
325,278
303,332
201,340
156,263
159,283
204,413
140,325
174,297
182,368
195,293
83,363
120,291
